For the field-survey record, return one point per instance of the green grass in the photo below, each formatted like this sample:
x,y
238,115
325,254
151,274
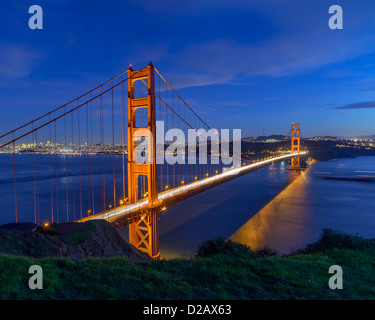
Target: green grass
x,y
236,274
77,237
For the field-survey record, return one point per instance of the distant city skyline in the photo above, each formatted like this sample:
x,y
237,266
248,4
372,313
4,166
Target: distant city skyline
x,y
242,64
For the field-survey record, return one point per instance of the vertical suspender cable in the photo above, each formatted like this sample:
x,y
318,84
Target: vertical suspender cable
x,y
50,163
73,156
80,164
15,180
92,163
88,158
66,171
57,189
123,140
33,143
113,153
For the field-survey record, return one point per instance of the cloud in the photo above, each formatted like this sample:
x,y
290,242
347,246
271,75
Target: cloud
x,y
222,61
302,43
17,61
196,79
346,112
358,105
326,105
368,89
281,55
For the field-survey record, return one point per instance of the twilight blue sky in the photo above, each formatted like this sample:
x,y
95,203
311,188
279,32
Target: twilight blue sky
x,y
239,64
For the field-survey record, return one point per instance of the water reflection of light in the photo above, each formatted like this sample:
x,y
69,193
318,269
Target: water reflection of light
x,y
281,223
272,171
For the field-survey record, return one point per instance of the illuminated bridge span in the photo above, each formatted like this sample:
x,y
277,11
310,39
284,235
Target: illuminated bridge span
x,y
126,214
85,160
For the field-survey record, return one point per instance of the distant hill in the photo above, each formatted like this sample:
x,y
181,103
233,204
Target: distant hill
x,y
326,137
366,137
282,137
265,138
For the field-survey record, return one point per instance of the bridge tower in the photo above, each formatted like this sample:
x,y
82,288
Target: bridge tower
x,y
296,135
144,233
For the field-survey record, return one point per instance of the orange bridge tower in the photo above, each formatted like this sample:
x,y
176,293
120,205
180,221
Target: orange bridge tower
x,y
296,135
144,233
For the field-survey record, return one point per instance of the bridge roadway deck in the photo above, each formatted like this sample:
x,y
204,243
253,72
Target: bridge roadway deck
x,y
126,214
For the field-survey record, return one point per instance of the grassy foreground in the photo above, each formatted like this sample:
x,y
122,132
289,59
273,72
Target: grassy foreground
x,y
223,270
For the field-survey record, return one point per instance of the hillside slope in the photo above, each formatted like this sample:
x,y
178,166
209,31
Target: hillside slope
x,y
222,272
96,238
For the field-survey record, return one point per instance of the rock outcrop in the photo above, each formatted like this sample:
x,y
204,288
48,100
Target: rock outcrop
x,y
96,238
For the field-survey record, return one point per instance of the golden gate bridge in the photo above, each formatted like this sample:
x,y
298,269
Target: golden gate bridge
x,y
111,121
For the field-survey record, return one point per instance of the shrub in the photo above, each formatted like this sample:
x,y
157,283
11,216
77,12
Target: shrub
x,y
265,252
222,246
331,239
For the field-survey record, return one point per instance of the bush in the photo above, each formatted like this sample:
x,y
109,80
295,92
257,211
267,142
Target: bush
x,y
222,246
265,252
331,239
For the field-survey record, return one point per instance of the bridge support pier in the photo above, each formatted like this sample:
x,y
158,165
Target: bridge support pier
x,y
144,233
